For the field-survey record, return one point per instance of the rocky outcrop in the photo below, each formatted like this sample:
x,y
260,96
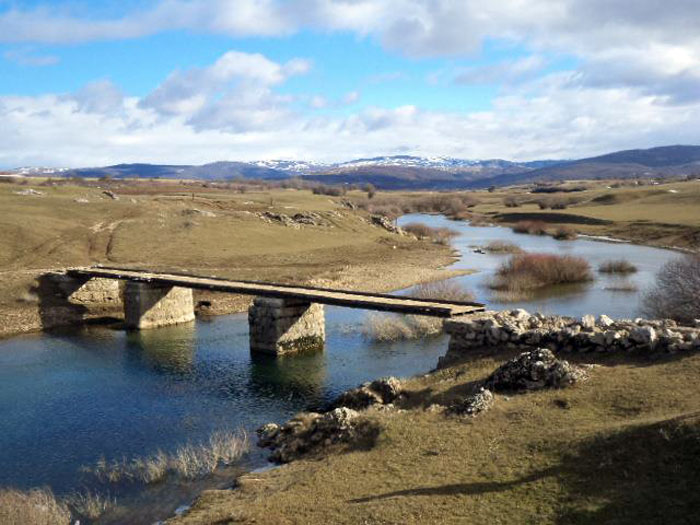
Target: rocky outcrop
x,y
379,392
294,221
311,431
532,371
520,329
385,222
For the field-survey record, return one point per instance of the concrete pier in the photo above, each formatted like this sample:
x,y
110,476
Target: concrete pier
x,y
281,326
148,305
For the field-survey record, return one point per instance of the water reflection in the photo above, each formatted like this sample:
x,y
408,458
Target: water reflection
x,y
287,377
167,350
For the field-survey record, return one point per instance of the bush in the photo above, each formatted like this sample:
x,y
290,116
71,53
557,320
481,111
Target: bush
x,y
531,227
617,266
503,247
333,191
676,294
564,233
436,235
536,270
511,202
444,291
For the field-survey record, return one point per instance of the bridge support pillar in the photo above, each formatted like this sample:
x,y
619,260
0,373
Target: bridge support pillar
x,y
281,326
148,305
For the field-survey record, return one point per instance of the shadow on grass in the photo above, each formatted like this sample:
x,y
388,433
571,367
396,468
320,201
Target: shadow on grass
x,y
461,488
648,473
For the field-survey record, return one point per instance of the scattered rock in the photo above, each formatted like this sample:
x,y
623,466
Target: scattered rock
x,y
201,213
28,191
533,370
111,195
474,404
81,201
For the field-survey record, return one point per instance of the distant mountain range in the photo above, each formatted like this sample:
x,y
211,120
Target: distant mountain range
x,y
410,172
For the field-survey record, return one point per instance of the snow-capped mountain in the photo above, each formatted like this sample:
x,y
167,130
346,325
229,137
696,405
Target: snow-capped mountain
x,y
39,170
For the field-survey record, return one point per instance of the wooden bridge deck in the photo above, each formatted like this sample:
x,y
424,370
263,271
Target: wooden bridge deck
x,y
351,299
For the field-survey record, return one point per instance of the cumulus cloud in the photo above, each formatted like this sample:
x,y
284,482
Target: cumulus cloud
x,y
233,93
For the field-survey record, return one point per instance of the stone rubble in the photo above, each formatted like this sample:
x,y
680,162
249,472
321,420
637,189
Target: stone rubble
x,y
294,221
379,392
474,404
309,431
533,370
520,329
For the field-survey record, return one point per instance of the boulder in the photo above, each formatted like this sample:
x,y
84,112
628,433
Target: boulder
x,y
605,321
588,321
643,335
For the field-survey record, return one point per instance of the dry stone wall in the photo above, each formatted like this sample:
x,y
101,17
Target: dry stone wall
x,y
520,329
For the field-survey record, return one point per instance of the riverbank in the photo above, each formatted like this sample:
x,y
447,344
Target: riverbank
x,y
280,235
621,445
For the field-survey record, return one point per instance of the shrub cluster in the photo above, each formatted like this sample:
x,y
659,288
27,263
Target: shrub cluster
x,y
536,270
617,266
676,294
531,227
436,235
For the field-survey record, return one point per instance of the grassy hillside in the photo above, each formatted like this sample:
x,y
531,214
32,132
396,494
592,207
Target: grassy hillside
x,y
621,447
199,229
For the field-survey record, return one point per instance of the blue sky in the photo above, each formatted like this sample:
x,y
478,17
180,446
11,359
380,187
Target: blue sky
x,y
183,81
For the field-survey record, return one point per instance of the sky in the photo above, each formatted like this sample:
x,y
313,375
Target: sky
x,y
96,82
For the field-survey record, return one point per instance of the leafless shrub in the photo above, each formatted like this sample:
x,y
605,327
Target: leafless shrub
x,y
531,227
617,266
35,507
503,247
436,235
676,294
512,202
536,270
564,233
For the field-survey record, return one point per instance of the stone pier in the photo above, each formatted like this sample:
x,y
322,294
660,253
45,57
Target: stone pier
x,y
66,300
281,326
148,305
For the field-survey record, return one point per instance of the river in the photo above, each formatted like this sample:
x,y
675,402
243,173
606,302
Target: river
x,y
69,398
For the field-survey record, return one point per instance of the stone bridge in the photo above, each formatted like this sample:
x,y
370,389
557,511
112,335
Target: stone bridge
x,y
283,318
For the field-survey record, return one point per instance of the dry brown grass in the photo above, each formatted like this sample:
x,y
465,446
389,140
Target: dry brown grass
x,y
536,270
189,461
395,327
622,447
91,505
33,507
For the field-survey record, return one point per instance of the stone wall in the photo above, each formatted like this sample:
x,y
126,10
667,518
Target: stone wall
x,y
520,329
149,305
279,326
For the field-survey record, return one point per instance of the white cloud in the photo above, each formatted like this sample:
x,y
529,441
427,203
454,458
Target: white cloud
x,y
507,71
559,118
26,57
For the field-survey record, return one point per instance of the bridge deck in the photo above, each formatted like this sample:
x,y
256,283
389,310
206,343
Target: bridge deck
x,y
351,299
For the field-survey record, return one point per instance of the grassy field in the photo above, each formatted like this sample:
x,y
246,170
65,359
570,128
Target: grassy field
x,y
663,215
190,227
621,447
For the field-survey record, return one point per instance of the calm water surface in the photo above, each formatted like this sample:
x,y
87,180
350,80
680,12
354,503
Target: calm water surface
x,y
68,399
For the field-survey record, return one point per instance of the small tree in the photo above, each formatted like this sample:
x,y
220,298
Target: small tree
x,y
676,294
371,190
